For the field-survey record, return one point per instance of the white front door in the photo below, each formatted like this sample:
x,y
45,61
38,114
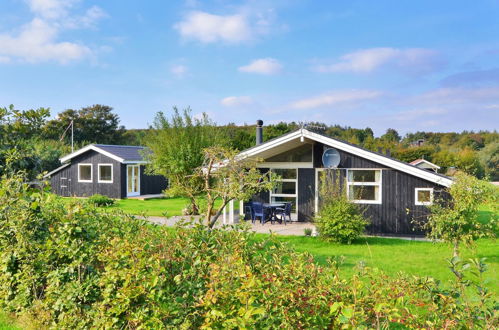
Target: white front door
x,y
133,180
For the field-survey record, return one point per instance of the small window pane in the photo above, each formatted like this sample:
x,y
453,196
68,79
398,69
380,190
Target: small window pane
x,y
105,173
363,176
285,188
85,172
424,196
365,193
285,173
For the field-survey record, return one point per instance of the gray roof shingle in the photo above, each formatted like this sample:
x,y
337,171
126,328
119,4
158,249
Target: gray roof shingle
x,y
128,153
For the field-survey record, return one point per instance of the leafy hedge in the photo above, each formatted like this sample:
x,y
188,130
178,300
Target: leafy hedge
x,y
74,266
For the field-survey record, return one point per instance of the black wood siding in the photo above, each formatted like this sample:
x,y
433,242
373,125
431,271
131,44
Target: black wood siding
x,y
397,213
151,184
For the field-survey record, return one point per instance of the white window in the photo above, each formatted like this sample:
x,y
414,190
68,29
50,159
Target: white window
x,y
105,173
85,173
286,189
364,186
424,196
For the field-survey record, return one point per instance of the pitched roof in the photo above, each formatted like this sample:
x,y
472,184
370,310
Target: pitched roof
x,y
122,154
419,161
351,148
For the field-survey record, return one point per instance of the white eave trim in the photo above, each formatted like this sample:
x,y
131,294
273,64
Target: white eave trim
x,y
49,174
394,164
427,162
94,148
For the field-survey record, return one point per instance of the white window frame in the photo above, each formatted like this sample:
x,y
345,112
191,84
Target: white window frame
x,y
98,173
91,172
379,184
295,195
417,202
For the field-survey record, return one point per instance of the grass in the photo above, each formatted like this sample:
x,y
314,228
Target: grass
x,y
6,323
154,207
420,258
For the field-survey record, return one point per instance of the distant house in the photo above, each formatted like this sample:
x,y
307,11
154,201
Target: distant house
x,y
392,193
111,170
424,164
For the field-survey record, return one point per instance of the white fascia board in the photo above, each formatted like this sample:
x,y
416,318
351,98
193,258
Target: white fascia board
x,y
87,148
270,144
49,174
138,162
421,173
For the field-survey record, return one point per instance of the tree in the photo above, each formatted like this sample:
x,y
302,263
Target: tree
x,y
455,221
391,135
95,124
227,177
489,159
177,146
21,148
468,162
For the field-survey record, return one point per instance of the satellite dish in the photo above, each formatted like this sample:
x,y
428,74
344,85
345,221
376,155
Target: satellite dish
x,y
331,158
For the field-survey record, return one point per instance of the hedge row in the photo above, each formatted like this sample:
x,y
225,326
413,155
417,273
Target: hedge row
x,y
75,266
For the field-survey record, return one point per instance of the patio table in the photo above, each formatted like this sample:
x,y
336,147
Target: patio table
x,y
273,207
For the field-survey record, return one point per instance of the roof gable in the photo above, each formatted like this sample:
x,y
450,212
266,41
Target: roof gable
x,y
122,154
303,134
424,161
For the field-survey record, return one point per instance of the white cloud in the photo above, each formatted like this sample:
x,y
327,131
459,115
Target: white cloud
x,y
209,28
234,101
334,98
179,70
38,40
50,9
458,95
369,60
265,66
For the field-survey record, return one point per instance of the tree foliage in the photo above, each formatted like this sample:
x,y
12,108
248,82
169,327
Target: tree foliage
x,y
455,220
176,146
93,124
227,177
70,265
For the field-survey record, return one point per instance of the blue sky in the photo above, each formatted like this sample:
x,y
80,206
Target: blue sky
x,y
410,65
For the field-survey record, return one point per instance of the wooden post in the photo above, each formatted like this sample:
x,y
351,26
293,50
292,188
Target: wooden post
x,y
224,215
231,210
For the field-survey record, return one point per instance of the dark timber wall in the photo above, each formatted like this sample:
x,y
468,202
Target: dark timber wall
x,y
151,184
397,212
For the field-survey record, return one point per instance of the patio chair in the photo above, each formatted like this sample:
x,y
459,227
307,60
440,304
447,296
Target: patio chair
x,y
259,211
248,211
284,212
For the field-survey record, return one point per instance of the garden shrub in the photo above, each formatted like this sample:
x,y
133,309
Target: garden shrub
x,y
76,266
100,200
339,220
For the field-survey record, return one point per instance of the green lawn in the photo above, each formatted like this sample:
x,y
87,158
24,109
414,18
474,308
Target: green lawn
x,y
393,255
6,323
154,207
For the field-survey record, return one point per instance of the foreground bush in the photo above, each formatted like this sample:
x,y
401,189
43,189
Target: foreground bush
x,y
100,200
73,266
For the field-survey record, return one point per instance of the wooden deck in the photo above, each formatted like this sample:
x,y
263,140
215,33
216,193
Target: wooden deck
x,y
144,197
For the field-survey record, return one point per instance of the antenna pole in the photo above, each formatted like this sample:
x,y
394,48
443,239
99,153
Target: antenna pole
x,y
72,136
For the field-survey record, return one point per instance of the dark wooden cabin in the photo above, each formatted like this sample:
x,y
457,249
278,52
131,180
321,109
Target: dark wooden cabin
x,y
111,170
392,193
